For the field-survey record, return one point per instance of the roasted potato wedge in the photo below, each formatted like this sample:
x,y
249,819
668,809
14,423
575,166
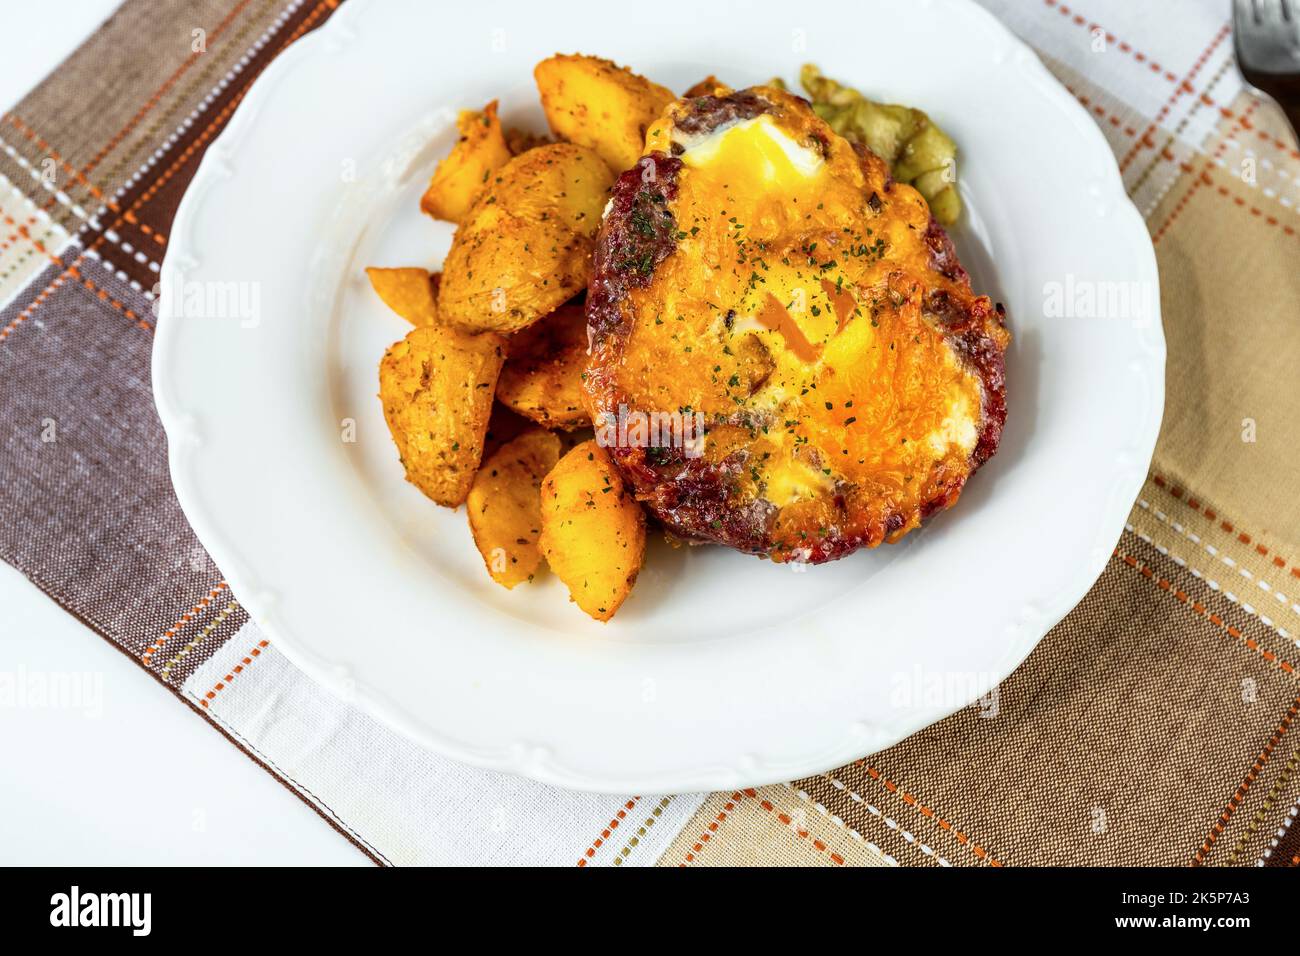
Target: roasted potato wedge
x,y
462,175
593,530
542,378
436,386
411,293
596,103
505,506
525,246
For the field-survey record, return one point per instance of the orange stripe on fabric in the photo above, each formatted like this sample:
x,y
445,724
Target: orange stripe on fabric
x,y
1204,178
1180,494
1184,87
1263,135
1101,111
194,642
1165,154
635,840
10,239
124,215
712,828
234,672
159,93
221,116
912,801
610,827
1251,775
57,282
94,190
25,314
1270,801
182,621
1124,45
1178,208
788,821
1272,220
1155,67
128,215
1202,611
68,270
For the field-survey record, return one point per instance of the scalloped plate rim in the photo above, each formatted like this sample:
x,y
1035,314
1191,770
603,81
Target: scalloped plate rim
x,y
533,761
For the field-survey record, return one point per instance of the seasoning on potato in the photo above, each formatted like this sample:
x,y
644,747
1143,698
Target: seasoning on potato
x,y
436,387
597,103
411,293
543,374
462,175
525,246
593,530
505,506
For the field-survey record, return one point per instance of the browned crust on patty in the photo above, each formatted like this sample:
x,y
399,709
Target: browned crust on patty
x,y
692,496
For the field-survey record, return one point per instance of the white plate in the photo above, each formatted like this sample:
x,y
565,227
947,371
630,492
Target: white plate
x,y
721,670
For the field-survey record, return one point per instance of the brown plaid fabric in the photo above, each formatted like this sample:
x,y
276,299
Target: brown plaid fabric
x,y
88,511
1154,725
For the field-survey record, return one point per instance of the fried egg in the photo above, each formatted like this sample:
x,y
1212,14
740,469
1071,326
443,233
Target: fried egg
x,y
759,272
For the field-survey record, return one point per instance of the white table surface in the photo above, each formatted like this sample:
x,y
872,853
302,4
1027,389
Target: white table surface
x,y
146,781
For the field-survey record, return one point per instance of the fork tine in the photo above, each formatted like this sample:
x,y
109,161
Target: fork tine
x,y
1259,15
1243,15
1270,13
1266,33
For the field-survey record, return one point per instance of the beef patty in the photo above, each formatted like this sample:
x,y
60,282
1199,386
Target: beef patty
x,y
758,271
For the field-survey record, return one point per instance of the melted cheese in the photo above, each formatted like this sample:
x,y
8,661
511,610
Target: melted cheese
x,y
960,427
789,481
782,244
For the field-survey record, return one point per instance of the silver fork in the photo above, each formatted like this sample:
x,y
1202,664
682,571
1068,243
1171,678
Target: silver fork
x,y
1267,37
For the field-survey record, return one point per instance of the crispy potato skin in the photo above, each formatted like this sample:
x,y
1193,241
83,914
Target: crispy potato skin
x,y
411,293
542,378
462,175
436,387
505,506
596,103
525,247
593,530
